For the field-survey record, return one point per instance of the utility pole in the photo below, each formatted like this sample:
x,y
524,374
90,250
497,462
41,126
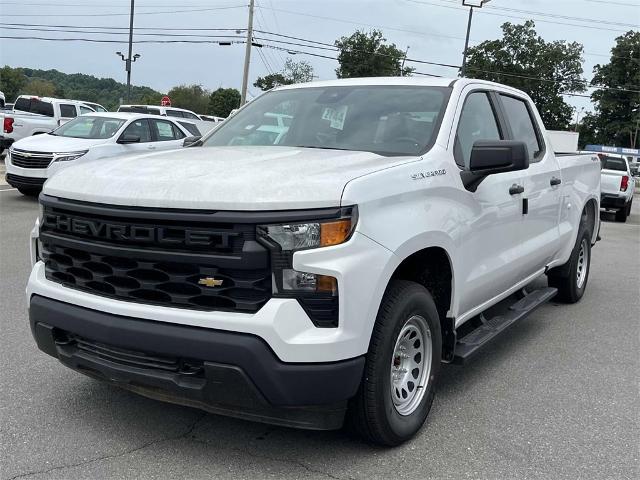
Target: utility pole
x,y
404,59
128,62
247,56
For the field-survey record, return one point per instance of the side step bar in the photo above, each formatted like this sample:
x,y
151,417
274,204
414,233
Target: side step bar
x,y
473,342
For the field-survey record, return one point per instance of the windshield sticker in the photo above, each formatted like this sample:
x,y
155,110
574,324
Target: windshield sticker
x,y
335,116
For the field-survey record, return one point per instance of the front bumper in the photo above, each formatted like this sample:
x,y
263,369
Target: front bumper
x,y
5,142
18,181
223,372
608,200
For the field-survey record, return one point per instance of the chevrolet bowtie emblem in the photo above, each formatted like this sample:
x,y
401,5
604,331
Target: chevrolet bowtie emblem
x,y
210,282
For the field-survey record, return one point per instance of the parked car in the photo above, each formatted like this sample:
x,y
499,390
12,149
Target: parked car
x,y
322,273
32,160
204,126
618,185
35,115
95,106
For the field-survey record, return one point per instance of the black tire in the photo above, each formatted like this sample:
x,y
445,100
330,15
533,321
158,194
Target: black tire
x,y
565,278
372,413
29,192
622,214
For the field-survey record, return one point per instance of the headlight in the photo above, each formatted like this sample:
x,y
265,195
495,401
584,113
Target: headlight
x,y
68,156
317,294
301,236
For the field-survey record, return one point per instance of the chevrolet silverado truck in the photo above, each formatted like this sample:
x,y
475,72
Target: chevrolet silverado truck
x,y
618,186
319,274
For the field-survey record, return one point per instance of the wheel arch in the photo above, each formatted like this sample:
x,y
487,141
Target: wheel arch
x,y
432,268
590,214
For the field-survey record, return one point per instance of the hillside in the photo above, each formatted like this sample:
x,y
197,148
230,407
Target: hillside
x,y
105,91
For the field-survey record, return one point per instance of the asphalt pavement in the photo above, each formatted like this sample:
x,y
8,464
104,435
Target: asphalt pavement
x,y
557,397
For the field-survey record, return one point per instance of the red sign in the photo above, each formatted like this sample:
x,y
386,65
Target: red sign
x,y
165,102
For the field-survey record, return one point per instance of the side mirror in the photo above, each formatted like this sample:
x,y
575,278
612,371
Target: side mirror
x,y
195,141
497,156
129,139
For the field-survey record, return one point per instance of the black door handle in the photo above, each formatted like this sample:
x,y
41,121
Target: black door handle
x,y
555,181
515,189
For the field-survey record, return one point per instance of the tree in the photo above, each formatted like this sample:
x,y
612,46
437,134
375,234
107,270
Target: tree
x,y
191,97
223,100
292,72
616,120
40,87
367,55
271,81
544,70
12,81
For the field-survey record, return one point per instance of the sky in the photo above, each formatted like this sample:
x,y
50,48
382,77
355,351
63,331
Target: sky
x,y
433,30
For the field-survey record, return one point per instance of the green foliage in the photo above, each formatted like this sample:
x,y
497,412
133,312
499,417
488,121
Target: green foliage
x,y
40,87
617,113
222,101
521,58
192,97
271,81
293,72
367,55
77,86
12,81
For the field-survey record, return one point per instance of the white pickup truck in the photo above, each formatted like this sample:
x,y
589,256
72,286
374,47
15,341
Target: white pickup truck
x,y
323,273
35,115
618,185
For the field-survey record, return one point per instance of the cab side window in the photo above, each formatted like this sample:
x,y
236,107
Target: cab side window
x,y
166,131
139,128
522,126
477,122
67,111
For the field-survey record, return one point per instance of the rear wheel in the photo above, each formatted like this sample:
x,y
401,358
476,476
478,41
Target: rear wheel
x,y
402,366
29,192
571,278
623,213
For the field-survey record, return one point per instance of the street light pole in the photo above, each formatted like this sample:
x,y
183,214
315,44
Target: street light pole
x,y
247,56
472,4
128,61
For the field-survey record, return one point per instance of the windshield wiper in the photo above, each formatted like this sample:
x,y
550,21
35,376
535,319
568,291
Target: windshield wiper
x,y
323,148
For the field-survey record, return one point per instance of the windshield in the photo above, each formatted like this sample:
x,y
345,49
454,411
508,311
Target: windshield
x,y
90,127
388,120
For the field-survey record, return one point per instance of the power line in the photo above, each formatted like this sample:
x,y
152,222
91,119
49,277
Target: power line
x,y
120,14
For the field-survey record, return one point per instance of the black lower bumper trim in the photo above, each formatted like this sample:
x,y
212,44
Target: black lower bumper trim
x,y
18,181
227,373
5,143
612,201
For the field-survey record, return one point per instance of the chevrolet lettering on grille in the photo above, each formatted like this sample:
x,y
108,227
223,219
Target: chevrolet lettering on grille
x,y
138,233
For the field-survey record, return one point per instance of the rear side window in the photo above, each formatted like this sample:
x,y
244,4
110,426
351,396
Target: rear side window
x,y
477,122
613,163
174,113
191,128
67,111
139,109
190,115
522,126
34,105
139,128
84,110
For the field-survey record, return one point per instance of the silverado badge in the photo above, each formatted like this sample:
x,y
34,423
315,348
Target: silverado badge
x,y
210,282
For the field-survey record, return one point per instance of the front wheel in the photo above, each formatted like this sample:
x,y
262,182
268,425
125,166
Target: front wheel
x,y
402,366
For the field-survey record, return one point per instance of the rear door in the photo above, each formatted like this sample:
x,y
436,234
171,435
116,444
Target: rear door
x,y
540,235
67,112
166,135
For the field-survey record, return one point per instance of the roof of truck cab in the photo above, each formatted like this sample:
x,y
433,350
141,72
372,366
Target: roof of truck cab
x,y
408,81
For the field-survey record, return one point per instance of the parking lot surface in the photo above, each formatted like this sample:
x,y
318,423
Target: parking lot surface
x,y
556,397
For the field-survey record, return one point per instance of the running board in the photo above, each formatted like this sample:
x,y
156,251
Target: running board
x,y
473,342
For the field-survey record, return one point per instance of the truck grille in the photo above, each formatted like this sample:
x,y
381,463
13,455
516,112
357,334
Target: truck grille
x,y
26,159
144,257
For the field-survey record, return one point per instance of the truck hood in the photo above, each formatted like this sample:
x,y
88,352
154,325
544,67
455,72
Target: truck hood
x,y
55,144
225,178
